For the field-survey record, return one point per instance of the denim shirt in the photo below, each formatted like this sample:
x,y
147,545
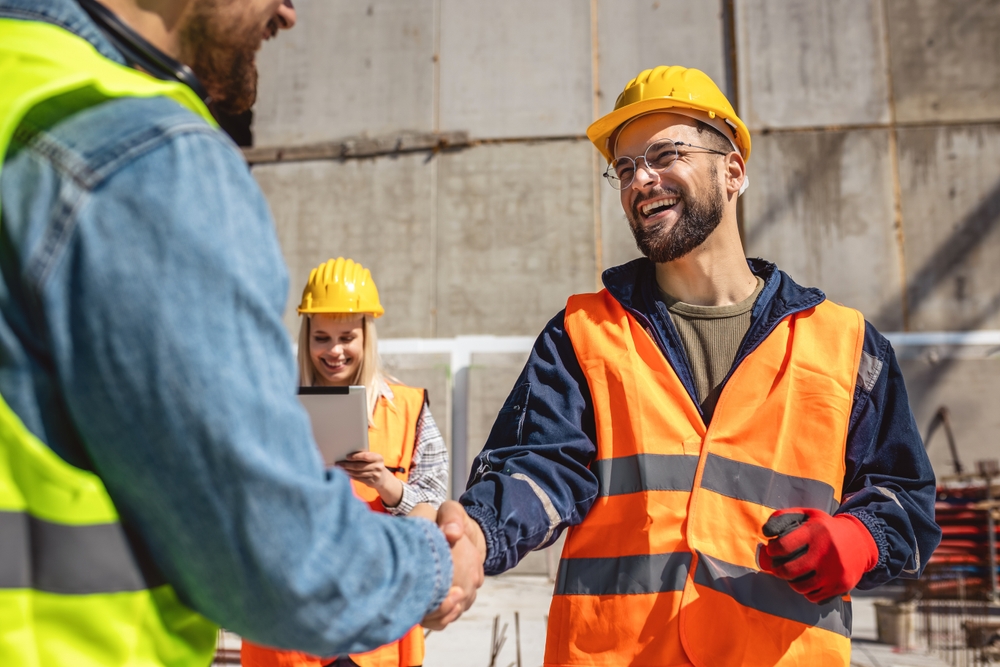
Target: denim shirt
x,y
141,294
532,479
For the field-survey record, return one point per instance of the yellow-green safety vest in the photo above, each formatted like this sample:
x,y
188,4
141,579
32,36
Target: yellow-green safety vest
x,y
72,590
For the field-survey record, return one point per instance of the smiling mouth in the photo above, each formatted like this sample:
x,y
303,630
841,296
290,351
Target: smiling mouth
x,y
657,206
333,368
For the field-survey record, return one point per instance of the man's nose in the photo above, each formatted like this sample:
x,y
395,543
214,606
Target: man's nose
x,y
285,15
644,175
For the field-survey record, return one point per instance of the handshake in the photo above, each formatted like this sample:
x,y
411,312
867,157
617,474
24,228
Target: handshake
x,y
468,553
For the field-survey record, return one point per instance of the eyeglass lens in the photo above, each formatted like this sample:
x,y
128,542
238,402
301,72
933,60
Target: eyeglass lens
x,y
659,156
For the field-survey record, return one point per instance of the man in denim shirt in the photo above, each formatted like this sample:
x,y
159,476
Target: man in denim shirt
x,y
141,294
731,452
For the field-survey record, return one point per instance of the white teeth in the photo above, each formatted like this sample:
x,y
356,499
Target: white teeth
x,y
646,208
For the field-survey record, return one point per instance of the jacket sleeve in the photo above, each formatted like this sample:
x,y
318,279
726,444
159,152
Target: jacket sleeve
x,y
889,483
532,478
162,299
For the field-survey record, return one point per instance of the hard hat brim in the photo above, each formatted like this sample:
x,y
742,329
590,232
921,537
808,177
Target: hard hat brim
x,y
320,310
601,129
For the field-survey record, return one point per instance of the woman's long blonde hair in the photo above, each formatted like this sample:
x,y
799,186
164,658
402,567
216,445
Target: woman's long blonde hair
x,y
370,372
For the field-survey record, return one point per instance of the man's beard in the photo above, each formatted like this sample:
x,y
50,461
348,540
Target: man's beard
x,y
222,54
695,224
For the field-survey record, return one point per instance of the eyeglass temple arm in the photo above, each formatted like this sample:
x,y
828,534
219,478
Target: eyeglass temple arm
x,y
704,148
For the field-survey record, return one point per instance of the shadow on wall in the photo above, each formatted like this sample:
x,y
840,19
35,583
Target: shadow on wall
x,y
953,253
945,264
939,267
817,173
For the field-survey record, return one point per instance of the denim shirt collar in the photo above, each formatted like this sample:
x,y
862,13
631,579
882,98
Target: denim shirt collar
x,y
633,285
66,14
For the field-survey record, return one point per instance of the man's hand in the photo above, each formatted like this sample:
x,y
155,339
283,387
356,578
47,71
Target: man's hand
x,y
424,511
455,523
468,553
369,469
821,556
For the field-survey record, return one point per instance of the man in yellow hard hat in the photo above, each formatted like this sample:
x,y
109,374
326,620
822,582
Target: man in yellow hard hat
x,y
731,452
158,475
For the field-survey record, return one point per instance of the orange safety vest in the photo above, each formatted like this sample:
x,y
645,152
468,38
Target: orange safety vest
x,y
393,435
663,569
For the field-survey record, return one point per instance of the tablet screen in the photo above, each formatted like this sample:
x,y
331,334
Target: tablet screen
x,y
339,417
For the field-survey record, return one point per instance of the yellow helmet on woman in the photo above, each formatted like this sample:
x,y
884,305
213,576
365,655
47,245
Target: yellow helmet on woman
x,y
341,286
679,89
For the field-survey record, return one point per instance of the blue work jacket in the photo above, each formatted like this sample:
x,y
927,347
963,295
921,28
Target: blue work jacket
x,y
141,293
532,479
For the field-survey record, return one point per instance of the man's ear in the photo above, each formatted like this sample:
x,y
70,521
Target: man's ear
x,y
735,170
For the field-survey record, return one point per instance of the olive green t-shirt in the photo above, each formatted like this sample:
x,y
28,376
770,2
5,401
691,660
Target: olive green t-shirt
x,y
711,336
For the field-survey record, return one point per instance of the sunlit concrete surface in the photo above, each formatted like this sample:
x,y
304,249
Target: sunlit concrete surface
x,y
873,654
866,651
466,643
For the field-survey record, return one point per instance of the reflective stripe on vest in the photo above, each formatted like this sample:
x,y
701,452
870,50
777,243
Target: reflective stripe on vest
x,y
625,575
69,560
73,590
660,573
743,481
673,534
771,595
392,434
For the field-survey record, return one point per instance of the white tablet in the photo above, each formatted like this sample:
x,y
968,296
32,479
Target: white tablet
x,y
339,417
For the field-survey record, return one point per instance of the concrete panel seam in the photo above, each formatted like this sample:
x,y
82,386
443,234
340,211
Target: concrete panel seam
x,y
732,59
846,127
435,219
897,189
362,148
358,147
436,94
595,80
732,62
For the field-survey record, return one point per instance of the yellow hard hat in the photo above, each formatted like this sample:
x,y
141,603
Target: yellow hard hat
x,y
340,286
663,88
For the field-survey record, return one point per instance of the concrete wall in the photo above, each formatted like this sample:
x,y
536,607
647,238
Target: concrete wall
x,y
876,176
875,168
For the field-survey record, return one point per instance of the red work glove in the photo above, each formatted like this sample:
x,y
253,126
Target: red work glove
x,y
821,556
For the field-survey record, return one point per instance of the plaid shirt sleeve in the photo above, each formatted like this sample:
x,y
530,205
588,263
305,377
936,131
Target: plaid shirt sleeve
x,y
428,482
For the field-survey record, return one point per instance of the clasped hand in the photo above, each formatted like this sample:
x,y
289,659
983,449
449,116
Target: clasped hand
x,y
468,553
369,469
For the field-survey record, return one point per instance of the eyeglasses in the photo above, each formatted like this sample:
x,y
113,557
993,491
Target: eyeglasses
x,y
660,156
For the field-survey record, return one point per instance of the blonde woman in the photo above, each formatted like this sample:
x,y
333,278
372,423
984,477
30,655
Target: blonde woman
x,y
407,462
